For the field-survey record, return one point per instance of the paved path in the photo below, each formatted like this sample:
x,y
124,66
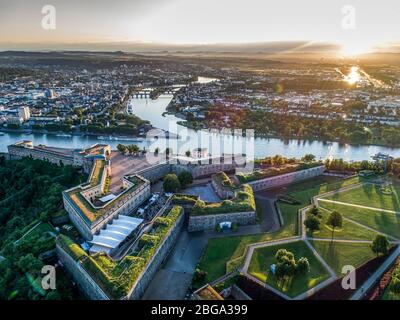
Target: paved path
x,y
358,206
270,220
339,240
359,294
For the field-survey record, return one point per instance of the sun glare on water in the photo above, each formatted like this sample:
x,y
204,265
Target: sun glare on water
x,y
354,76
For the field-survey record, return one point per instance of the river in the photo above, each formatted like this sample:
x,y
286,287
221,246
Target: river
x,y
153,110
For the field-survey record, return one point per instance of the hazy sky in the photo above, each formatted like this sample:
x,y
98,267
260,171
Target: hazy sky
x,y
201,21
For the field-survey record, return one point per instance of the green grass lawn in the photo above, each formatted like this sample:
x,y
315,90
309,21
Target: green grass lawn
x,y
370,195
305,190
263,258
338,255
385,222
222,252
349,230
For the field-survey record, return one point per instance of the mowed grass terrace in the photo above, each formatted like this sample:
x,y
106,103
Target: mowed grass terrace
x,y
348,231
371,195
263,258
223,254
382,221
339,254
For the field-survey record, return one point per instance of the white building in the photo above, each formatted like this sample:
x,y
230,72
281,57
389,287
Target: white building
x,y
24,113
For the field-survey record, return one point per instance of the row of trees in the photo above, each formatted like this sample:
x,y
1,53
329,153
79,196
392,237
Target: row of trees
x,y
130,149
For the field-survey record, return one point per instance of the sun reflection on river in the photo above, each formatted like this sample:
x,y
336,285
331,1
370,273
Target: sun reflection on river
x,y
354,76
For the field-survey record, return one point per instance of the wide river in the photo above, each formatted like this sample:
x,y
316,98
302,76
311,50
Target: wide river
x,y
153,110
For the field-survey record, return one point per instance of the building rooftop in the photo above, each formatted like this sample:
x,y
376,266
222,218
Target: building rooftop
x,y
115,233
89,212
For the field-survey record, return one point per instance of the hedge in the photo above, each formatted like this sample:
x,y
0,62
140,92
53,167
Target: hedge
x,y
243,202
272,172
223,179
184,199
74,250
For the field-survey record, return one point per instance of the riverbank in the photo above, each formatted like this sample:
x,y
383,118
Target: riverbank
x,y
71,133
202,126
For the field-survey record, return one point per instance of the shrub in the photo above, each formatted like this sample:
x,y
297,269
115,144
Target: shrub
x,y
234,226
199,275
171,183
272,172
243,202
303,266
185,178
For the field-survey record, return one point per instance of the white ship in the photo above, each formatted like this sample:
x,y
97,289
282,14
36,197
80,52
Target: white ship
x,y
64,135
111,138
129,109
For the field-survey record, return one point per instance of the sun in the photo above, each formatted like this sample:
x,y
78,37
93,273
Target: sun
x,y
355,48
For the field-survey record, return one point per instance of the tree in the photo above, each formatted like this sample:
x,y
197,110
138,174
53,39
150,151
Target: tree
x,y
156,151
380,245
395,283
303,266
312,223
188,153
133,149
185,178
308,158
281,254
314,211
199,275
286,264
29,263
121,148
335,220
171,183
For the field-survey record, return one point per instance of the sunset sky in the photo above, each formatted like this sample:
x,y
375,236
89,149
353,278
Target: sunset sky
x,y
199,22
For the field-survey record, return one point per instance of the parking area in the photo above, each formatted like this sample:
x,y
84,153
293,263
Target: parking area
x,y
150,208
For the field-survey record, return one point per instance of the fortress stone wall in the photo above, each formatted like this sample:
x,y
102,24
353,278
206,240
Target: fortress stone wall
x,y
285,179
85,283
209,222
